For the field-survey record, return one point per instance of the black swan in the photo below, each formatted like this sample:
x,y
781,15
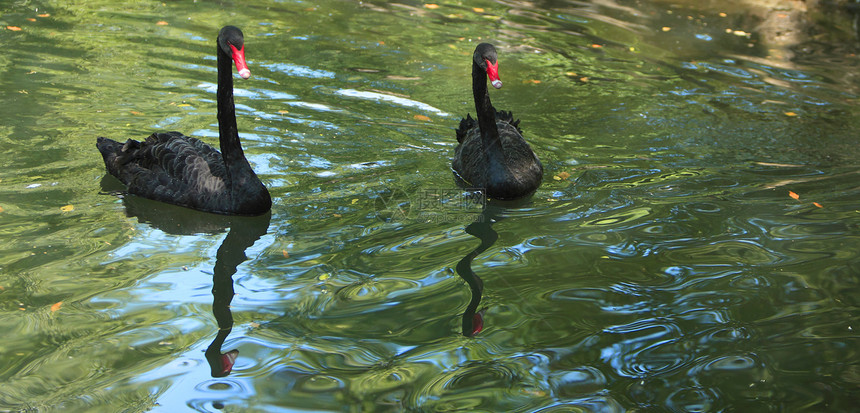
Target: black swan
x,y
492,153
176,169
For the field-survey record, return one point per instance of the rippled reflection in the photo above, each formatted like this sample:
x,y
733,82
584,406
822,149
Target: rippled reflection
x,y
243,233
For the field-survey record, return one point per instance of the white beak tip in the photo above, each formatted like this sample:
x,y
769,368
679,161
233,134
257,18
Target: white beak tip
x,y
497,84
245,73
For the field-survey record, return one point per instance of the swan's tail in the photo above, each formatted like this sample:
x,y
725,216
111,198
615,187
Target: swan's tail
x,y
506,116
114,153
466,124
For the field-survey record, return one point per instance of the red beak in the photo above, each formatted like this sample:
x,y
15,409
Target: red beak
x,y
493,74
239,58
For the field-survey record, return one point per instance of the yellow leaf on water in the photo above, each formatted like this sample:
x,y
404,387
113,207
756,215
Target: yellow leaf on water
x,y
354,200
161,23
478,10
422,117
44,15
666,28
793,195
134,112
817,204
286,254
30,19
56,307
431,6
183,105
1,209
13,28
324,277
337,215
790,114
67,208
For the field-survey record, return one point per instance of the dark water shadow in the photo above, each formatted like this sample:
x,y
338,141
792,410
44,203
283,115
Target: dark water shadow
x,y
482,229
243,233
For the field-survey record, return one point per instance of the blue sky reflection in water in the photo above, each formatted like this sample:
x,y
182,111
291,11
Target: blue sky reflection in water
x,y
662,265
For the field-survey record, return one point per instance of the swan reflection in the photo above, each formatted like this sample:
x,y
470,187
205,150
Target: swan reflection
x,y
481,228
243,233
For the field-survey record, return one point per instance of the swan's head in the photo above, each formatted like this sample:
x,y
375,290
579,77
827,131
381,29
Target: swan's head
x,y
232,42
485,57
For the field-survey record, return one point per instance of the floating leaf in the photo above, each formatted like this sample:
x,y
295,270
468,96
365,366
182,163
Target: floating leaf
x,y
790,114
134,112
478,9
596,46
161,23
793,195
817,204
666,28
1,209
354,200
431,6
324,277
67,208
532,81
44,15
422,117
286,254
30,19
13,28
56,307
337,215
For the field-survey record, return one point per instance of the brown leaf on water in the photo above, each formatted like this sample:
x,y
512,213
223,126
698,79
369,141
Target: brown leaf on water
x,y
422,117
793,195
56,307
13,28
67,208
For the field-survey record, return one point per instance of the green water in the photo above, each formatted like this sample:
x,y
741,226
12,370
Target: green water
x,y
663,265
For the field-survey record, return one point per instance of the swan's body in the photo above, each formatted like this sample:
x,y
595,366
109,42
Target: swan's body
x,y
180,170
492,153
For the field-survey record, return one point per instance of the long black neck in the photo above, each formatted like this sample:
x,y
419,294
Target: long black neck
x,y
228,132
485,111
